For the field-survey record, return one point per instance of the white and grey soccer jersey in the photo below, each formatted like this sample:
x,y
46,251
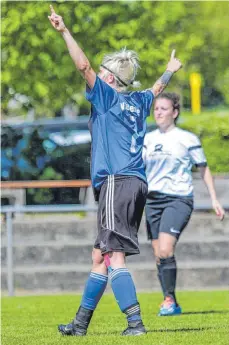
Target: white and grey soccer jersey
x,y
169,158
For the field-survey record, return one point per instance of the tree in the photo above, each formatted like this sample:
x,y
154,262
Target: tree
x,y
38,72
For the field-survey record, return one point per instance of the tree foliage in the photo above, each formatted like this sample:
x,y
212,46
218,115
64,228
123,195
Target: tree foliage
x,y
213,130
38,73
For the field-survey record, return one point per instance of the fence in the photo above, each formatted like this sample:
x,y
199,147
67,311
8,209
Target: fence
x,y
45,184
10,210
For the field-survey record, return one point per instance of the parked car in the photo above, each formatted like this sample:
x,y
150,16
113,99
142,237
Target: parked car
x,y
47,150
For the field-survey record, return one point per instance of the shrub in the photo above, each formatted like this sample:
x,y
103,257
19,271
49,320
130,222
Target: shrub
x,y
213,131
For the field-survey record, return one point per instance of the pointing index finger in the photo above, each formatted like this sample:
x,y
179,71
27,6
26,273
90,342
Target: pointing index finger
x,y
52,9
173,54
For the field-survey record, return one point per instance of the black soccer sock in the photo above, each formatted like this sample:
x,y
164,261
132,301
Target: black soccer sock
x,y
159,274
169,273
83,318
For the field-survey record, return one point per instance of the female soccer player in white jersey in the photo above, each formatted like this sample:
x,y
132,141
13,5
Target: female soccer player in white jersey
x,y
169,154
118,125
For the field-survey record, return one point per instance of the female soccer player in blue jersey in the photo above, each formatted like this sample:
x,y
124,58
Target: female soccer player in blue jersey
x,y
117,125
169,154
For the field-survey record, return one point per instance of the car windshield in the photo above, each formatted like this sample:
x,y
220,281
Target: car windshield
x,y
28,149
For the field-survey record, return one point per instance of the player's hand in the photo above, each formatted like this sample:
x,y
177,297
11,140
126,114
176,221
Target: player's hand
x,y
174,64
218,209
56,20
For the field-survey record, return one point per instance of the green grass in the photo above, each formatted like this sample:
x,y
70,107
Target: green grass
x,y
33,320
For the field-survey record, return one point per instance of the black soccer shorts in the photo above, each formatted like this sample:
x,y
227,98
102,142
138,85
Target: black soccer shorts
x,y
121,204
165,213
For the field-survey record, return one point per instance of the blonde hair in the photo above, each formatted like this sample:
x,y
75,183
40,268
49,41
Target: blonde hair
x,y
124,66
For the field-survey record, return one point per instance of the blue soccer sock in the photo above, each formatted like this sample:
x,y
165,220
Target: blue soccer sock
x,y
94,289
124,290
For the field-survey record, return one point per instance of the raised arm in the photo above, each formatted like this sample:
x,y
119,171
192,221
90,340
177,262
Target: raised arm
x,y
173,66
79,58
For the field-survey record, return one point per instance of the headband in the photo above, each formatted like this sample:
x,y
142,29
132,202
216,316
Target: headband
x,y
119,79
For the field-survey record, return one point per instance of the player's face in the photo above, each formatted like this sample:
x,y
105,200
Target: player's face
x,y
102,73
164,113
107,77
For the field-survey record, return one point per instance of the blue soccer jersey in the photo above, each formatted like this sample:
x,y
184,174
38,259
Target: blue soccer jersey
x,y
118,127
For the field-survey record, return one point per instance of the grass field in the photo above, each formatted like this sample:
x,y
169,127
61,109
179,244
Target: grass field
x,y
33,320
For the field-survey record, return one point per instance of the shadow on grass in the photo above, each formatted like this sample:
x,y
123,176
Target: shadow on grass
x,y
206,312
200,329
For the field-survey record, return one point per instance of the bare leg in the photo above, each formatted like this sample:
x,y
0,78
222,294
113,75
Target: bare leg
x,y
98,265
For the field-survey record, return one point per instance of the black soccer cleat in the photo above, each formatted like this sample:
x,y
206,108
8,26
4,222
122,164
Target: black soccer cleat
x,y
72,330
79,325
135,328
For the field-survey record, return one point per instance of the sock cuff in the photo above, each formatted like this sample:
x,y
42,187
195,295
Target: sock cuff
x,y
115,273
169,260
132,310
99,276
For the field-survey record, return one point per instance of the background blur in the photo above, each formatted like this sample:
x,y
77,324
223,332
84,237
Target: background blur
x,y
45,137
37,72
43,95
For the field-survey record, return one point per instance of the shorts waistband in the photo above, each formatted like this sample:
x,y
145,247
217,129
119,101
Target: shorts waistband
x,y
159,195
124,177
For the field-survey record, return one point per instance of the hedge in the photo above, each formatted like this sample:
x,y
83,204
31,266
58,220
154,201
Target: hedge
x,y
213,131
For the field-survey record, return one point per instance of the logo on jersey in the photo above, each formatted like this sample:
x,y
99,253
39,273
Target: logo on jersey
x,y
102,245
158,148
131,108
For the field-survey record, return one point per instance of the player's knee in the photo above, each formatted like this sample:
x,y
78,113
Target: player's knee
x,y
165,252
97,257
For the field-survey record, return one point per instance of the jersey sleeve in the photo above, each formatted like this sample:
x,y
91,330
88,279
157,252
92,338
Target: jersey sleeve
x,y
101,96
196,152
147,98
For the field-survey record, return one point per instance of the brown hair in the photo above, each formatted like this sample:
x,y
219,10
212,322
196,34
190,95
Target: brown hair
x,y
174,98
